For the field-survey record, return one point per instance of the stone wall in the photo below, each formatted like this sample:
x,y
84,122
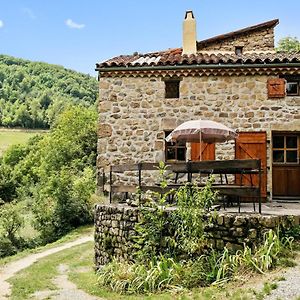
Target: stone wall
x,y
114,229
262,40
134,114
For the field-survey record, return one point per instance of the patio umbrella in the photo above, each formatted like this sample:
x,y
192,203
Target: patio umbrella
x,y
202,131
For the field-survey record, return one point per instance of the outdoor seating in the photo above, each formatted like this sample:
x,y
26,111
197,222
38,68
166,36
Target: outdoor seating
x,y
237,189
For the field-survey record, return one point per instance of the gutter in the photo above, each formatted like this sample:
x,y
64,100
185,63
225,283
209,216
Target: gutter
x,y
202,66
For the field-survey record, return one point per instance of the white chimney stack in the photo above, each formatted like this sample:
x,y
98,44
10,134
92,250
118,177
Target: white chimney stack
x,y
189,34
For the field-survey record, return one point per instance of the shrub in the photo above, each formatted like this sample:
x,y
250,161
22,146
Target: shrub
x,y
157,275
11,221
6,247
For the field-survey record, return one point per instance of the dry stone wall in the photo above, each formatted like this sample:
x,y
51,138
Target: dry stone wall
x,y
258,41
114,230
134,114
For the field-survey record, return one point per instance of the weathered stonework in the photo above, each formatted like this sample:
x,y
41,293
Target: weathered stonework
x,y
262,40
134,114
114,230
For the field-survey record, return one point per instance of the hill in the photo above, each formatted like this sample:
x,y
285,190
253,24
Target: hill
x,y
32,94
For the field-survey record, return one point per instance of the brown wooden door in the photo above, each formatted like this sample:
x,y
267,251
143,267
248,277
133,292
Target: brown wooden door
x,y
207,151
252,145
286,165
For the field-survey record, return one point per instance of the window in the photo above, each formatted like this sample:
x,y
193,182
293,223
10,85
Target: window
x,y
238,50
292,85
285,149
172,88
292,88
175,150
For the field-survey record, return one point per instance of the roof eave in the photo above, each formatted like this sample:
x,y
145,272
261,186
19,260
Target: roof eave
x,y
198,66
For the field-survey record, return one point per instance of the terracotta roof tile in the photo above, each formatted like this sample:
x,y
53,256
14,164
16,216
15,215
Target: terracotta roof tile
x,y
174,57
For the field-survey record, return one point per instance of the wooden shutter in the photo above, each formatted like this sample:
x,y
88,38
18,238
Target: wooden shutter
x,y
252,145
207,151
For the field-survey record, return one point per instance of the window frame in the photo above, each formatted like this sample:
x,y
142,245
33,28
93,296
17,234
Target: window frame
x,y
238,50
175,146
289,80
169,81
285,149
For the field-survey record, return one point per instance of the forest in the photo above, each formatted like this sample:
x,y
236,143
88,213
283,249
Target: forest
x,y
32,94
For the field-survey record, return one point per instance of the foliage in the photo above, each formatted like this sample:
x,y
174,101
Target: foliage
x,y
193,203
33,94
139,278
288,44
64,203
211,267
176,233
6,247
11,221
55,173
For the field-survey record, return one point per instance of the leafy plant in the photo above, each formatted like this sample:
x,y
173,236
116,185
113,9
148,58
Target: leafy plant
x,y
11,221
124,277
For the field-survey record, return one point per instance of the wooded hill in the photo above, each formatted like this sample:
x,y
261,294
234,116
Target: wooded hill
x,y
32,94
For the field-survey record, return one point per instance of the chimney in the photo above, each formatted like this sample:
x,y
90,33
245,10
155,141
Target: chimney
x,y
189,34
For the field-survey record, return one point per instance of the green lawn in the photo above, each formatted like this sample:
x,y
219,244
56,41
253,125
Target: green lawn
x,y
9,137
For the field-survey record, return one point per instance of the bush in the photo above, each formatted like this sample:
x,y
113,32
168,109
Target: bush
x,y
11,221
64,203
6,247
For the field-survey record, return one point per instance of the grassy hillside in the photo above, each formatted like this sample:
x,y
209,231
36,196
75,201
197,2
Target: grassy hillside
x,y
10,137
32,94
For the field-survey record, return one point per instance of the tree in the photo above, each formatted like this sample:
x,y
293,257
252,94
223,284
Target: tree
x,y
288,44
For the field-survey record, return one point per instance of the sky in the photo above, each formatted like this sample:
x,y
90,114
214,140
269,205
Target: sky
x,y
79,33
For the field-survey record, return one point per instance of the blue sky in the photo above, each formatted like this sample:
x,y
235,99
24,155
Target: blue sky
x,y
78,33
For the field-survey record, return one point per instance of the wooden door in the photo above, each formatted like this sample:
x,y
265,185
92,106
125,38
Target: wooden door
x,y
252,145
207,151
286,165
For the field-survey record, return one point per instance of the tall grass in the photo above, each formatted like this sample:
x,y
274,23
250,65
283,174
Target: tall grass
x,y
212,268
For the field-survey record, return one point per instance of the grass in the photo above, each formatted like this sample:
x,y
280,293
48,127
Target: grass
x,y
73,235
10,137
80,262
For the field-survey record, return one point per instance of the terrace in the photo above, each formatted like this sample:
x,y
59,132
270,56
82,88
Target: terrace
x,y
244,186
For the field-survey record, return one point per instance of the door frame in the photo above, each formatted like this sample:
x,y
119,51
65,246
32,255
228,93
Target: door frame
x,y
284,133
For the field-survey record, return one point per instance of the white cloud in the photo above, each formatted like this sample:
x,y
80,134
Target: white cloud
x,y
1,24
29,12
73,25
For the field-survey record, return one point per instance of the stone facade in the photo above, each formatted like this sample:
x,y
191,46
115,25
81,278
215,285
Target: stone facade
x,y
114,229
134,114
262,40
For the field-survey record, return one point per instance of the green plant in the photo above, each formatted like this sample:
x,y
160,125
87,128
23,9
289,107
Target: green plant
x,y
157,275
188,220
11,221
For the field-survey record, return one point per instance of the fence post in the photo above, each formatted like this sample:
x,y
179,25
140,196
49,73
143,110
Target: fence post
x,y
110,184
188,164
140,180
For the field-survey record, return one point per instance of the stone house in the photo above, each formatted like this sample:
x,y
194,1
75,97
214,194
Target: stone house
x,y
236,78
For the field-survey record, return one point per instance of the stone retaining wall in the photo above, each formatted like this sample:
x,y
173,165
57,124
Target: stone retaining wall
x,y
114,229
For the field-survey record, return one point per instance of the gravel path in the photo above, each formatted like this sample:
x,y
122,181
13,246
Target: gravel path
x,y
287,280
289,289
67,290
12,268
